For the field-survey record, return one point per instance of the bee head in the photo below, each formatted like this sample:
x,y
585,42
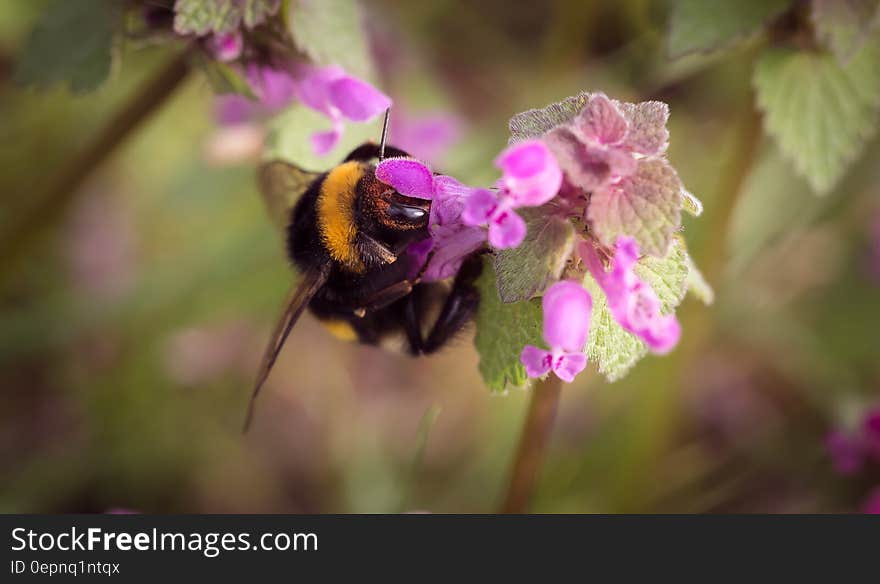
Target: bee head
x,y
389,216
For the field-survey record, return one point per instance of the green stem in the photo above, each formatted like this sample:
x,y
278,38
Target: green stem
x,y
64,187
532,445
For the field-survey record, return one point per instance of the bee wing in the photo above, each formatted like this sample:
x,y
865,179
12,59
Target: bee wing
x,y
296,302
281,185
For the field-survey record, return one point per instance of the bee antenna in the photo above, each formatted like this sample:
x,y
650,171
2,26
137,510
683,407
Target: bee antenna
x,y
384,134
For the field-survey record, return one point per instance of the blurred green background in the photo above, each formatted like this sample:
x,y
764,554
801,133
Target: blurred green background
x,y
133,315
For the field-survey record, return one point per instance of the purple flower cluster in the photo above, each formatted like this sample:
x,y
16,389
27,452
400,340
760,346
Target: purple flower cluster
x,y
597,154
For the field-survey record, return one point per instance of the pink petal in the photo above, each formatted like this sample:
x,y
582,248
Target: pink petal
x,y
408,176
662,334
357,100
568,365
585,166
524,159
312,86
601,122
451,249
531,174
232,110
871,432
632,302
506,230
479,207
536,361
567,311
275,88
324,142
450,197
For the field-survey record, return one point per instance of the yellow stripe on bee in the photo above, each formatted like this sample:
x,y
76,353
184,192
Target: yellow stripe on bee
x,y
336,223
340,329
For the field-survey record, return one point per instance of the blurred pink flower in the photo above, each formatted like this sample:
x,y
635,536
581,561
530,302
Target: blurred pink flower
x,y
327,90
226,47
567,312
531,177
846,451
632,302
451,240
425,136
851,449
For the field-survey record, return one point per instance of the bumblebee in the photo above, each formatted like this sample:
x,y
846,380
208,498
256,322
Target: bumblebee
x,y
347,234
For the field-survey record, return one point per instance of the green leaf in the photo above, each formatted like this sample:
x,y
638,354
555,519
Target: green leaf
x,y
666,275
612,349
200,17
647,206
526,270
223,78
844,25
534,123
821,113
697,284
707,25
502,332
72,43
330,32
256,12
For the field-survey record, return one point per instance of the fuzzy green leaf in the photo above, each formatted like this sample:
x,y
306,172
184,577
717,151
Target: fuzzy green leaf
x,y
534,123
666,275
330,32
707,25
697,284
256,12
612,349
647,206
526,270
820,112
502,332
72,43
844,25
200,17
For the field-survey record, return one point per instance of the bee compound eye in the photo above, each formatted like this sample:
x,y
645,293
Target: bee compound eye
x,y
406,213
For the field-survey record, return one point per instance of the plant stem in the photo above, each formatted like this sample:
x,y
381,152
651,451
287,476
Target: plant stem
x,y
64,187
532,445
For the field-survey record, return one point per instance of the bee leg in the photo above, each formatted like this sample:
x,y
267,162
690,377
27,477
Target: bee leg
x,y
385,297
460,305
412,326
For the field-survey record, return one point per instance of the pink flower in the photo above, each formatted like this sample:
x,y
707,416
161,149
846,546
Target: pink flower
x,y
451,240
851,449
327,90
604,143
847,454
339,96
632,302
567,311
531,177
226,47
